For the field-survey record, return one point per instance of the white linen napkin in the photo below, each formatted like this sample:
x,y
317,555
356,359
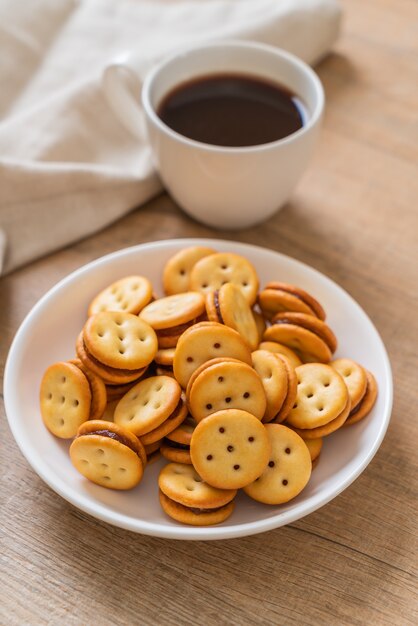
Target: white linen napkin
x,y
67,166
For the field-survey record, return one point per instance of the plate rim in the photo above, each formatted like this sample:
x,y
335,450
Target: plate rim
x,y
192,532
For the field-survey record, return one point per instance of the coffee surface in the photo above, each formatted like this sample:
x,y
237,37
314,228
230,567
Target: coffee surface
x,y
232,110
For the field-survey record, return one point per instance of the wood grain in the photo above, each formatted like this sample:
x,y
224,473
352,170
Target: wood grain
x,y
354,217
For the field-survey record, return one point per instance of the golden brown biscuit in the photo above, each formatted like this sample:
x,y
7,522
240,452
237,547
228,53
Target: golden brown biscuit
x,y
308,346
129,294
97,390
277,297
354,376
213,271
273,375
367,402
108,455
177,270
230,449
278,348
65,399
315,325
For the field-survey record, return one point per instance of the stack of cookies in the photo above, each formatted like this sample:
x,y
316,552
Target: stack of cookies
x,y
235,387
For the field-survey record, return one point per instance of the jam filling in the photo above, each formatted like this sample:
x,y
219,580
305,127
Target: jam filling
x,y
176,410
217,306
199,511
178,446
285,320
111,435
178,330
109,367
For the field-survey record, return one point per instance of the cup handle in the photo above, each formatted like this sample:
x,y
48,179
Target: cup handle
x,y
122,88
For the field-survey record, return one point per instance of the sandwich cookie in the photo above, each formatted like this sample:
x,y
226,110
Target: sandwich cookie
x,y
314,446
148,404
229,306
230,449
260,323
176,445
153,451
119,341
211,272
367,402
108,455
277,297
177,270
97,390
287,471
65,399
273,375
279,348
164,362
171,423
188,499
115,392
322,402
354,376
203,342
226,384
311,339
129,295
171,316
292,388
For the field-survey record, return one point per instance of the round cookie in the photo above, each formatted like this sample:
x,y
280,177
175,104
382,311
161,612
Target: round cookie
x,y
354,377
183,433
203,342
174,310
278,348
288,469
173,421
277,297
315,325
108,455
367,402
65,399
195,517
326,429
307,345
129,294
115,392
120,340
183,484
273,375
230,449
110,375
228,384
228,306
148,404
321,396
176,273
165,356
97,390
213,271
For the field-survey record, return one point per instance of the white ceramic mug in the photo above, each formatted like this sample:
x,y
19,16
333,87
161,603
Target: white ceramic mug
x,y
221,186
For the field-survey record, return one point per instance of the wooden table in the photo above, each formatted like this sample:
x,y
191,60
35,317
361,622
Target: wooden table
x,y
354,217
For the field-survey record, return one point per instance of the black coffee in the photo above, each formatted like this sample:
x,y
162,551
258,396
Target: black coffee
x,y
232,110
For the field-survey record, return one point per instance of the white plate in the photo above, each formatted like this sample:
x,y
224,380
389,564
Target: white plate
x,y
48,334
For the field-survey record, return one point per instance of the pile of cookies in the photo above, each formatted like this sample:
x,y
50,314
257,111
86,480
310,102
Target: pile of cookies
x,y
235,387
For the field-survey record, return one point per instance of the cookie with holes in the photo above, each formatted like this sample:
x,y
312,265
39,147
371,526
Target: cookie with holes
x,y
354,376
366,404
322,400
288,468
188,499
213,271
174,420
110,375
176,445
273,374
171,316
326,429
206,341
226,384
97,390
279,348
177,270
148,404
120,341
65,399
311,339
230,448
108,455
228,306
129,295
277,297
